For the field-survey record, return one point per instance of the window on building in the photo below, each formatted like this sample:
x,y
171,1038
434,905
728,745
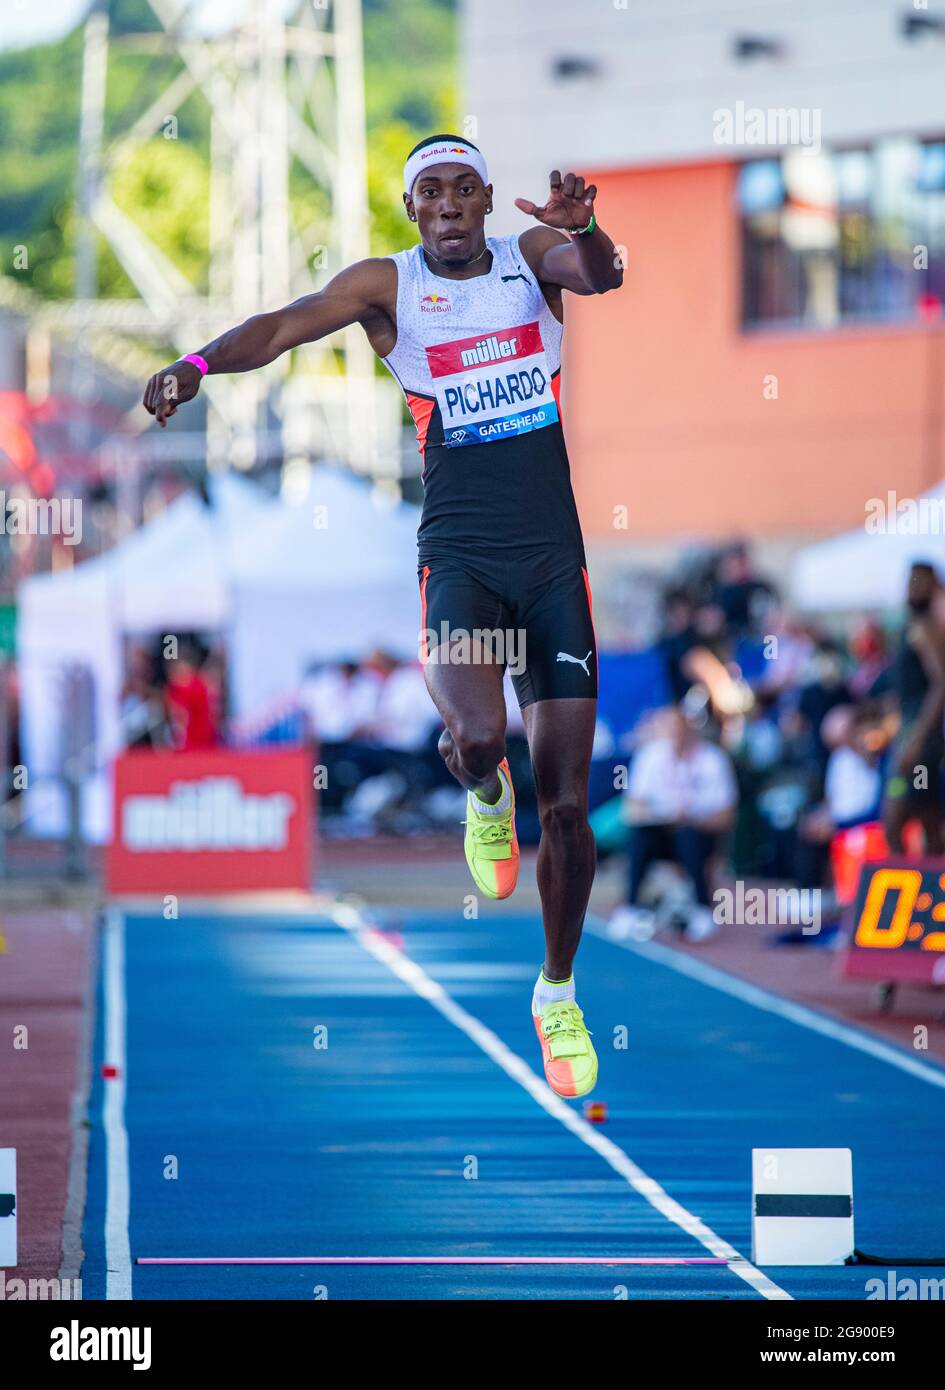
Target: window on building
x,y
836,237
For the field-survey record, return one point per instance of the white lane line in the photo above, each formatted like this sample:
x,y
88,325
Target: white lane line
x,y
771,1003
413,975
117,1190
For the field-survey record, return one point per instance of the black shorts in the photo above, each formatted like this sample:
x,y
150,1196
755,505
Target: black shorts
x,y
532,614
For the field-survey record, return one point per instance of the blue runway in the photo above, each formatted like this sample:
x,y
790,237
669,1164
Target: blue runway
x,y
287,1086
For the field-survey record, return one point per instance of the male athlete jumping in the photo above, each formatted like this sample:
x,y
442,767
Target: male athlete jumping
x,y
471,326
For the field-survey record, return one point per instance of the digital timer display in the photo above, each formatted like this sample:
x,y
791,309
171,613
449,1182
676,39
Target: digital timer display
x,y
897,923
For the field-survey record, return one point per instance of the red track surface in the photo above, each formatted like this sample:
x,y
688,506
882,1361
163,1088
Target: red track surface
x,y
43,985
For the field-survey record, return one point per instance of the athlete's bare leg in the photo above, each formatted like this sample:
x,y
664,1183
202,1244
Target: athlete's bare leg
x,y
930,818
560,739
895,814
471,703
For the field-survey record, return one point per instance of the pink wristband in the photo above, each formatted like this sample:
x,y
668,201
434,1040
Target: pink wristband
x,y
198,361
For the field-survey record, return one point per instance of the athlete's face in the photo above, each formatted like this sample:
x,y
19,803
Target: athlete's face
x,y
449,205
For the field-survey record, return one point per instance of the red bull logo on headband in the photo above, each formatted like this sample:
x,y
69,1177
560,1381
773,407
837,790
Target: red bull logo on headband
x,y
443,149
442,154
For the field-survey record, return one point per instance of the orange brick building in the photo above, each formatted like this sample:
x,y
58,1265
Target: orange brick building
x,y
776,172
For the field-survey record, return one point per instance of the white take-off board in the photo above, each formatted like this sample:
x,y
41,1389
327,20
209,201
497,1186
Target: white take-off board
x,y
801,1206
7,1208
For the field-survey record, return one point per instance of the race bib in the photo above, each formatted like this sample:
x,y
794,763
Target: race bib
x,y
492,387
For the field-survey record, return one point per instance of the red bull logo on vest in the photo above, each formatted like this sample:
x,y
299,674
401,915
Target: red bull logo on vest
x,y
435,304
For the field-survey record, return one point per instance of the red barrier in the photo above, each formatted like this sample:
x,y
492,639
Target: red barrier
x,y
864,844
215,822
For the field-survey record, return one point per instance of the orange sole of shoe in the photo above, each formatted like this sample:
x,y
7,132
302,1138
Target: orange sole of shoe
x,y
559,1074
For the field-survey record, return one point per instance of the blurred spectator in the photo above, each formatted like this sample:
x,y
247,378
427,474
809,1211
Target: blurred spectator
x,y
824,689
339,702
756,745
681,797
871,660
405,715
755,738
213,672
853,786
712,631
790,648
744,599
142,712
383,756
679,639
914,787
190,700
694,648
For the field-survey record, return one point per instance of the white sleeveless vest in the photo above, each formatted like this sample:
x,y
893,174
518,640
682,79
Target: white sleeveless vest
x,y
478,360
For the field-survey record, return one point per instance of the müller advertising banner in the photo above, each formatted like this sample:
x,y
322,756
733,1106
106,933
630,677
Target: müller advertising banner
x,y
216,822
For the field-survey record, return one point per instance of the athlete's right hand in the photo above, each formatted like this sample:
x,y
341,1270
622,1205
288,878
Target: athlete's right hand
x,y
170,388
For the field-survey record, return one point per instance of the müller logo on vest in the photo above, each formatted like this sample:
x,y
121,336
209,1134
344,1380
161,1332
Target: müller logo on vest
x,y
489,349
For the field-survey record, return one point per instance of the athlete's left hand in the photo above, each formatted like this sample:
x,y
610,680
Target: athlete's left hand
x,y
570,205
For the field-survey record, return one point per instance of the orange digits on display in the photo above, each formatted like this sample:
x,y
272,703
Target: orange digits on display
x,y
906,882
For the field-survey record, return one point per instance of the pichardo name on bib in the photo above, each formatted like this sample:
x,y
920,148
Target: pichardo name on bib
x,y
493,385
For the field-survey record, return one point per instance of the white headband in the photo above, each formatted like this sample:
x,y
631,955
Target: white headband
x,y
448,153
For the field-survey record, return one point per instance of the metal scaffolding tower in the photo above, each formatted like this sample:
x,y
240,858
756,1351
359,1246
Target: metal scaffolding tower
x,y
280,96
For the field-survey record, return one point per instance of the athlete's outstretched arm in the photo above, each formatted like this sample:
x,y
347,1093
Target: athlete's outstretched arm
x,y
356,295
585,264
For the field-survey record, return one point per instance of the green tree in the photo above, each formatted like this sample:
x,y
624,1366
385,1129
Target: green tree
x,y
410,91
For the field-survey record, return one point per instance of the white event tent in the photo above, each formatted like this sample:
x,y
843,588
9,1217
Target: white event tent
x,y
330,576
868,568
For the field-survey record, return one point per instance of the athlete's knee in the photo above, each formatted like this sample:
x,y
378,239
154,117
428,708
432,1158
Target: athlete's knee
x,y
480,747
564,817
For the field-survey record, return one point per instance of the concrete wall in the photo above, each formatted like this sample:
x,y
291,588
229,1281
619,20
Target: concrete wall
x,y
663,391
664,395
665,67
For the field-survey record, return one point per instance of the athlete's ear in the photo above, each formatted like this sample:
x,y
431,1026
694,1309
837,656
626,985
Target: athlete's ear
x,y
488,197
408,204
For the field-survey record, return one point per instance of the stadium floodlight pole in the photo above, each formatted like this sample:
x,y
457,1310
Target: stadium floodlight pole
x,y
91,120
88,183
247,107
277,93
274,166
352,221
